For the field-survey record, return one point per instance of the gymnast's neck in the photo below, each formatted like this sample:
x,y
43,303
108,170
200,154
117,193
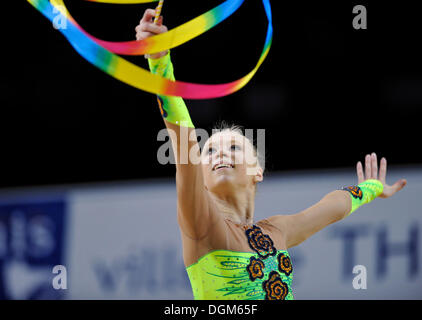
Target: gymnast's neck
x,y
237,206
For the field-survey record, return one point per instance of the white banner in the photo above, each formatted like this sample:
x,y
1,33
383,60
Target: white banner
x,y
122,241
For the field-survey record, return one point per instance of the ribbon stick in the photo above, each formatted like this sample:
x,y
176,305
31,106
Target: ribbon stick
x,y
100,53
157,16
158,11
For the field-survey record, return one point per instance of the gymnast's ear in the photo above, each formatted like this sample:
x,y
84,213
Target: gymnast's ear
x,y
259,175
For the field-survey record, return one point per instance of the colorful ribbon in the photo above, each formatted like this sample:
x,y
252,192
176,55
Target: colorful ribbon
x,y
103,54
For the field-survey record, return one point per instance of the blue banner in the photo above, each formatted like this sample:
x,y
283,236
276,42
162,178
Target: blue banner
x,y
31,244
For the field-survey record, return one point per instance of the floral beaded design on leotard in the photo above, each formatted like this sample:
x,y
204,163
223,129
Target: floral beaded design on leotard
x,y
255,268
274,287
265,273
284,264
259,242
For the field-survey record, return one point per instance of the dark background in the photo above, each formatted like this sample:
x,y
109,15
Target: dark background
x,y
327,94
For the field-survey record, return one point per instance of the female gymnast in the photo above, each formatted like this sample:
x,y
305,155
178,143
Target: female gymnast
x,y
227,255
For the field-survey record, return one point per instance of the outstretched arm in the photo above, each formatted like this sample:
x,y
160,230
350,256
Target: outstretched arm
x,y
195,214
338,204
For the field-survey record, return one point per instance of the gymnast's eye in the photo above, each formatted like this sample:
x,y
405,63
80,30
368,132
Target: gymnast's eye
x,y
210,150
235,147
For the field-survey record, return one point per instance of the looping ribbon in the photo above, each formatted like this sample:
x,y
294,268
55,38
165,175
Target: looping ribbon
x,y
104,54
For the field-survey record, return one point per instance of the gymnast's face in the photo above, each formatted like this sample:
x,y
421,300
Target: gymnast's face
x,y
229,163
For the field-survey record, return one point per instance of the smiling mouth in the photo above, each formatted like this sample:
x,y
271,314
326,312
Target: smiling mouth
x,y
222,166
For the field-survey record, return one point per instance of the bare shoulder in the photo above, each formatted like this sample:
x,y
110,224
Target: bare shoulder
x,y
279,221
276,225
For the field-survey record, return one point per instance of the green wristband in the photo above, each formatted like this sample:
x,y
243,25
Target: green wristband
x,y
364,192
173,109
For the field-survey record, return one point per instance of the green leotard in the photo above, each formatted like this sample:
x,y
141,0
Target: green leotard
x,y
224,274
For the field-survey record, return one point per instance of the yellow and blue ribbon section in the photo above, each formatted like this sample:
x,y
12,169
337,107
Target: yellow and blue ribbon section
x,y
161,42
364,192
173,109
103,54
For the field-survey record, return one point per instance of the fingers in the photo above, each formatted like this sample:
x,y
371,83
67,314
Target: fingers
x,y
367,167
151,27
154,28
359,170
371,167
148,16
371,172
383,170
374,166
399,185
147,29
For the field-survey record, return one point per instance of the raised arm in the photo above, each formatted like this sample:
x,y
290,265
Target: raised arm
x,y
338,204
194,212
